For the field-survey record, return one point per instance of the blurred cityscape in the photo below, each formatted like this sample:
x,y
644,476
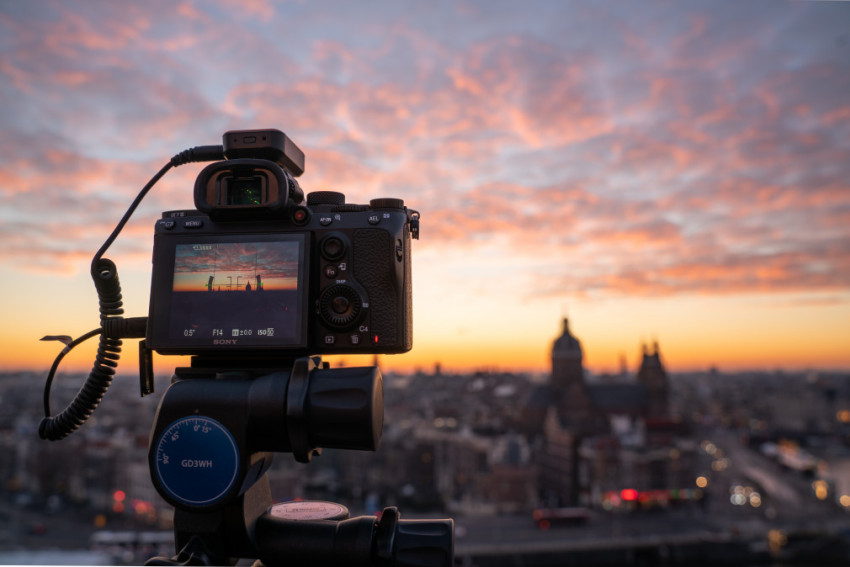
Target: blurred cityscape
x,y
648,466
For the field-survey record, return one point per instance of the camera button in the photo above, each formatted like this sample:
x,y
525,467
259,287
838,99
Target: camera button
x,y
374,219
333,248
341,305
330,271
325,221
330,339
301,216
167,224
193,223
354,339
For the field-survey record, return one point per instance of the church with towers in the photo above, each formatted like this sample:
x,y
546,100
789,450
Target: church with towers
x,y
595,439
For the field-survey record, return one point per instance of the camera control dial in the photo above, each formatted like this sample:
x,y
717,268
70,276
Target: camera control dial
x,y
341,305
387,203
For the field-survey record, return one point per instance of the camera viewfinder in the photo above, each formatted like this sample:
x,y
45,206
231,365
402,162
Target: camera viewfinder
x,y
250,191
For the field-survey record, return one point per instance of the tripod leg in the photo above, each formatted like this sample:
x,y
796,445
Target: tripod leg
x,y
193,553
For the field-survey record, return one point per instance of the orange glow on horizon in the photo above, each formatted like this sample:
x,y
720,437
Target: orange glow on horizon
x,y
26,353
200,285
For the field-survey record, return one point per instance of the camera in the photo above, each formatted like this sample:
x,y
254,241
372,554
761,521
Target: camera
x,y
255,271
256,283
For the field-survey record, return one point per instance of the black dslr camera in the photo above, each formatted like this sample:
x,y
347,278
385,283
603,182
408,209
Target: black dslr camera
x,y
256,284
254,272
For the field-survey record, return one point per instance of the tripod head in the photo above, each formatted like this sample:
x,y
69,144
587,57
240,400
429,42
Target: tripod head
x,y
214,437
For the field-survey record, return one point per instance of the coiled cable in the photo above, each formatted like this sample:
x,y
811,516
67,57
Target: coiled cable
x,y
105,276
112,325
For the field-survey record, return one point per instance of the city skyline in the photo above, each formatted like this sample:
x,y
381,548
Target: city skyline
x,y
658,172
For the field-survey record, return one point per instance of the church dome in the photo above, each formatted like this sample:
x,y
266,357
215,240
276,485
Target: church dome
x,y
566,344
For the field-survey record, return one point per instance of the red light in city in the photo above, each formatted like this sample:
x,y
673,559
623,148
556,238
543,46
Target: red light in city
x,y
119,496
629,494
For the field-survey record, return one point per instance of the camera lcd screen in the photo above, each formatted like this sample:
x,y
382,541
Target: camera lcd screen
x,y
232,293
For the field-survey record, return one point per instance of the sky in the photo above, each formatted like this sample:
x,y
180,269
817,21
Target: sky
x,y
675,172
275,263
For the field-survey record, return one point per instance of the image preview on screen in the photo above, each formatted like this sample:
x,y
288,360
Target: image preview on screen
x,y
237,293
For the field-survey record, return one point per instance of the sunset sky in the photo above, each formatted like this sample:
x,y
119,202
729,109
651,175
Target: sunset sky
x,y
232,265
670,171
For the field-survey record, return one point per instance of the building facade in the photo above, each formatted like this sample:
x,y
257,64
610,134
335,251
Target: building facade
x,y
616,437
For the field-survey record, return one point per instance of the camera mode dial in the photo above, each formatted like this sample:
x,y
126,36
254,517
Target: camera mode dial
x,y
325,198
341,305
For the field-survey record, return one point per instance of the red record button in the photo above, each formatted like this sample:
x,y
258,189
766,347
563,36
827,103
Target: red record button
x,y
300,215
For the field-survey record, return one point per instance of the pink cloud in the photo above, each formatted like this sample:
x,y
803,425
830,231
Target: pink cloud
x,y
263,10
673,156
